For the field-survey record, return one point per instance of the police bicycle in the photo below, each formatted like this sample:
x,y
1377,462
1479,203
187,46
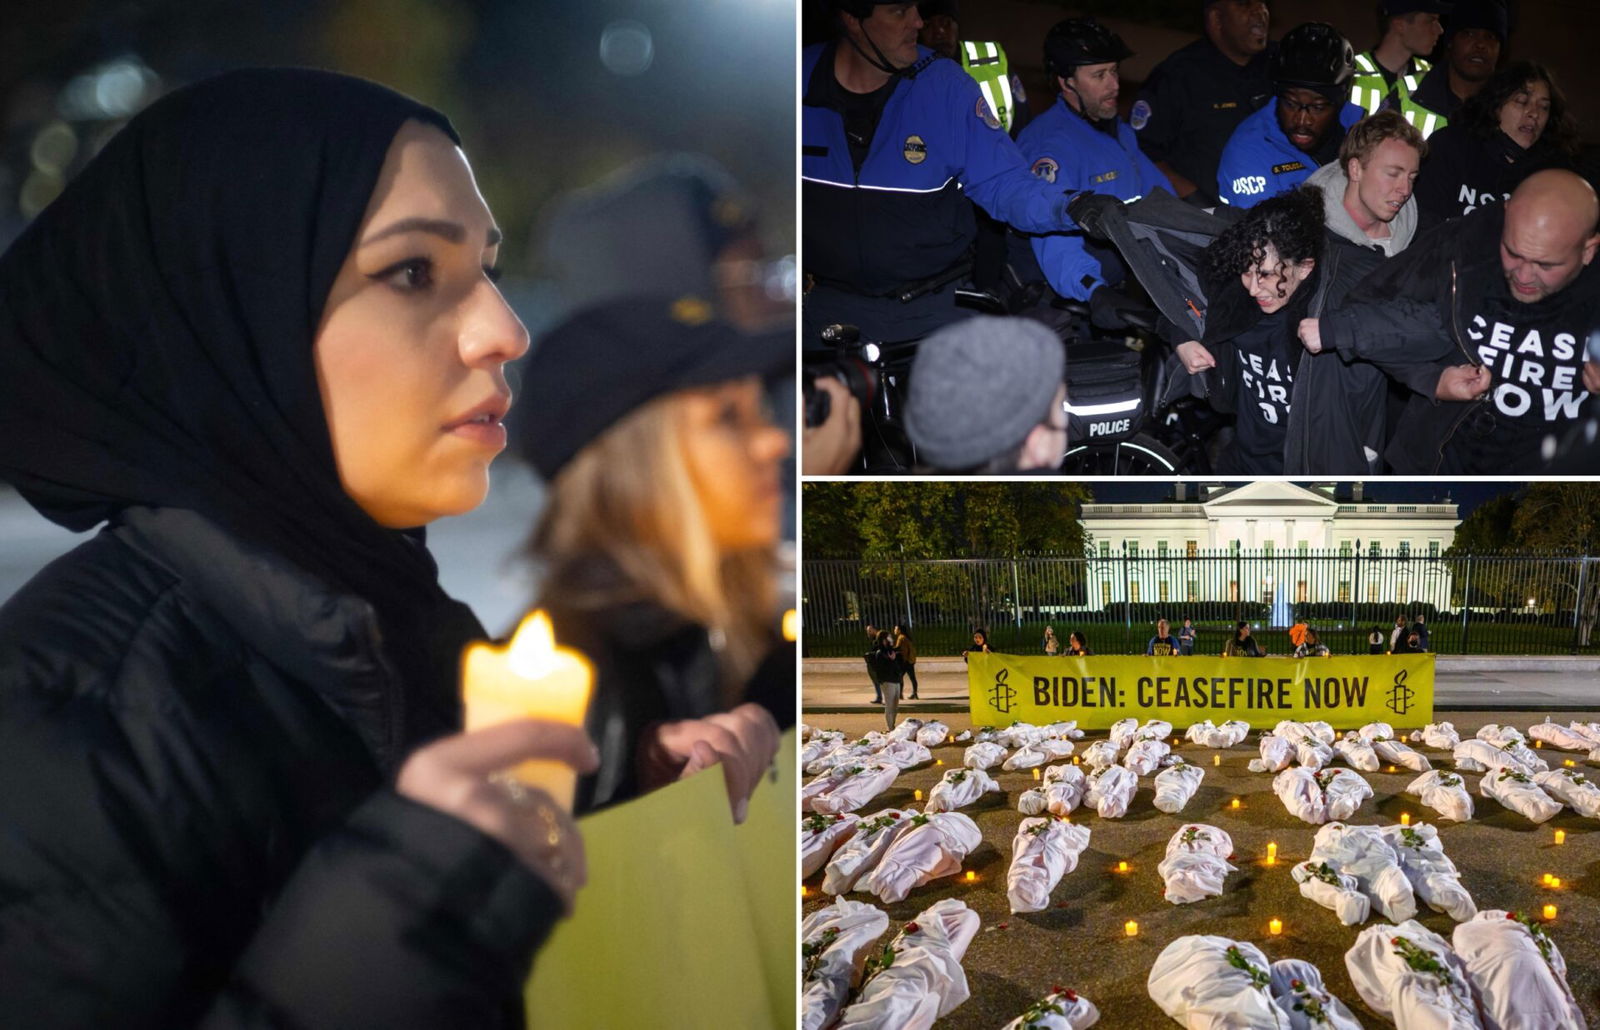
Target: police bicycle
x,y
1114,381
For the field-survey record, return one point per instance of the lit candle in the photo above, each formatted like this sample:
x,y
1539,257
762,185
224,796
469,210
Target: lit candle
x,y
791,625
1174,741
916,795
1405,818
529,678
1555,882
1561,836
1545,879
804,890
1234,804
971,876
1075,760
1272,853
1390,769
1275,927
938,761
1538,743
1549,911
1036,772
1131,928
1569,763
1216,759
1122,867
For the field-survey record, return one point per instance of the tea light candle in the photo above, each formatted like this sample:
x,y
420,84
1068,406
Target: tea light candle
x,y
1549,911
1538,743
1076,760
1561,836
1390,769
1131,928
1272,853
1555,882
938,761
1569,763
1275,927
1216,759
972,877
804,890
791,625
1234,803
1122,867
1036,772
1405,818
916,795
529,678
1545,879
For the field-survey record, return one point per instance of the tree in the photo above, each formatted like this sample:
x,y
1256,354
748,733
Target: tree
x,y
1565,517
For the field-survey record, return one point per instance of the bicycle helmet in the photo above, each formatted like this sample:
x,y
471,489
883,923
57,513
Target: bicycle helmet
x,y
1079,41
931,8
1314,56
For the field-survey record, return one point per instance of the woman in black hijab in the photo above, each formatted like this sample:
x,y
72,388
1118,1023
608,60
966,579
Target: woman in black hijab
x,y
259,340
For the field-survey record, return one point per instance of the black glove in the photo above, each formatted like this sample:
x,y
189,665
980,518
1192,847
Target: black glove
x,y
1112,309
1088,210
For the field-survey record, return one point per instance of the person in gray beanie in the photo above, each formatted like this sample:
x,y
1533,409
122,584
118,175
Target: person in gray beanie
x,y
988,396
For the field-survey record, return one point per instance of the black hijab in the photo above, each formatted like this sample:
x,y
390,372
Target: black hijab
x,y
156,331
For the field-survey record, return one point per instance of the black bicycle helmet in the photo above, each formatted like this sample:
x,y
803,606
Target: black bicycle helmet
x,y
1078,41
861,9
1314,56
930,8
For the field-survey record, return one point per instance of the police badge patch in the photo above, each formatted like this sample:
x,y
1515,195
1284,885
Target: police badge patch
x,y
915,150
986,114
1046,169
1139,117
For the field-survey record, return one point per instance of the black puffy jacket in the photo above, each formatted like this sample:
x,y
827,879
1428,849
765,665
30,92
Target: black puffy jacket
x,y
194,827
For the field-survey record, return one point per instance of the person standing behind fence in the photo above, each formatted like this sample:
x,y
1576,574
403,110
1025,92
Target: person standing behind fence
x,y
1420,628
1163,643
1243,645
1052,646
884,663
1186,637
1078,644
1398,632
1375,641
980,642
908,658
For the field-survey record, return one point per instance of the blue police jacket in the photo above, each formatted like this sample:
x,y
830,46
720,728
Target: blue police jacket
x,y
1064,149
1260,162
906,217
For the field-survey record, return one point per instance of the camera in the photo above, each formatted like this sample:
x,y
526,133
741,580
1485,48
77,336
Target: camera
x,y
849,361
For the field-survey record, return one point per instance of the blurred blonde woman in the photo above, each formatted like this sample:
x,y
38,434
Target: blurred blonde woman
x,y
658,540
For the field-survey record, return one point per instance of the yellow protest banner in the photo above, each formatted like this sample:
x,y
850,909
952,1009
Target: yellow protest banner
x,y
687,920
1097,691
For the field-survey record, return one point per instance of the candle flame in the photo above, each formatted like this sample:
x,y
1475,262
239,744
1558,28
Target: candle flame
x,y
532,654
1275,927
1549,911
791,625
1131,928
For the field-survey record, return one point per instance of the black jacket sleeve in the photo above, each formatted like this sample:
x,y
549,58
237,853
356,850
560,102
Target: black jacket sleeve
x,y
403,917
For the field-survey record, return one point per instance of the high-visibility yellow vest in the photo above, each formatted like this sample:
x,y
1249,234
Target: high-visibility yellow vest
x,y
1369,90
986,62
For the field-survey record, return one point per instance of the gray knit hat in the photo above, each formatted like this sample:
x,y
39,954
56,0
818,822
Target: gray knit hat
x,y
978,386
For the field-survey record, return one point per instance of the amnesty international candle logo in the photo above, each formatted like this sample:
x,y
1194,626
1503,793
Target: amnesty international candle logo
x,y
1001,695
1098,690
1400,695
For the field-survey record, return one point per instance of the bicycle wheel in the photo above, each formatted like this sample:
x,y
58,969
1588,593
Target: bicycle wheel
x,y
1140,455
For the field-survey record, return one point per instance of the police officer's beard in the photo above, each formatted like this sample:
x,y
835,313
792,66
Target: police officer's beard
x,y
1107,125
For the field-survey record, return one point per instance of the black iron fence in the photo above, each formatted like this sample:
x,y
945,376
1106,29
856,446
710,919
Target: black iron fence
x,y
1489,603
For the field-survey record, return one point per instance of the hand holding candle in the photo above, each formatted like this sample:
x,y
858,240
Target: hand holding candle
x,y
530,678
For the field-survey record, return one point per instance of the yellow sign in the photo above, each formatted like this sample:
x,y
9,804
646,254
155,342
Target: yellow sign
x,y
1097,691
683,922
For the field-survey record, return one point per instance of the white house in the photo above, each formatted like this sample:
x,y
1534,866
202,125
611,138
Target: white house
x,y
1273,542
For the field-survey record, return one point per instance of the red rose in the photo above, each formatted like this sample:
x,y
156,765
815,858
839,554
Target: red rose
x,y
1511,915
1002,926
911,928
1071,994
1296,984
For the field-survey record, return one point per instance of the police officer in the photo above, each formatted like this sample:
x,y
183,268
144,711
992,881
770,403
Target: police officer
x,y
986,62
1278,147
1081,144
895,146
1395,67
1198,95
1474,33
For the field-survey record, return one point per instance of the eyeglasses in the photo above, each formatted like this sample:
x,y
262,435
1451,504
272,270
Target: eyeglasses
x,y
1320,108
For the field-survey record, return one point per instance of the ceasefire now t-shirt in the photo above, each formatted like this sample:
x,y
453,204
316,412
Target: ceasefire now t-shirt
x,y
1535,353
1261,398
1162,646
